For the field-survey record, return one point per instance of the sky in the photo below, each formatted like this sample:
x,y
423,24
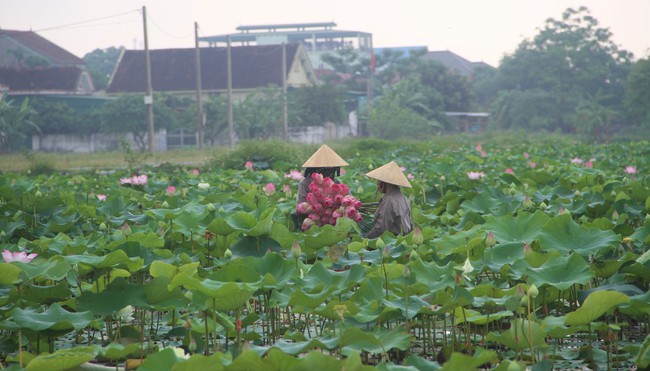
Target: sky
x,y
478,30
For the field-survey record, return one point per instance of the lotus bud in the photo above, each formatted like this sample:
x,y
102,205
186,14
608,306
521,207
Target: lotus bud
x,y
490,240
577,193
406,273
38,194
467,267
615,215
613,194
413,256
102,226
528,203
543,205
533,291
524,300
418,238
227,254
165,205
527,248
295,250
369,166
210,207
3,235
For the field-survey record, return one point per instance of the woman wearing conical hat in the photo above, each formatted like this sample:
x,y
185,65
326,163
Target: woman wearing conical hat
x,y
394,211
324,161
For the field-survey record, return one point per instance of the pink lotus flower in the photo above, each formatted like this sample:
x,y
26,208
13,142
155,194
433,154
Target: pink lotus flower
x,y
307,223
475,175
630,169
532,164
294,175
249,165
576,160
21,256
342,171
483,154
317,178
509,171
589,164
410,176
479,147
286,189
269,188
526,155
171,190
101,197
327,201
304,208
195,172
135,180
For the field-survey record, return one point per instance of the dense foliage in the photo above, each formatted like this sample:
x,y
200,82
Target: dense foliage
x,y
525,252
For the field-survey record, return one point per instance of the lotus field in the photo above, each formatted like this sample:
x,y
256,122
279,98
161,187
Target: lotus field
x,y
525,256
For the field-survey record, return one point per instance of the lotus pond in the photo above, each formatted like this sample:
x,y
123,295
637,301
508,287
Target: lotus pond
x,y
525,257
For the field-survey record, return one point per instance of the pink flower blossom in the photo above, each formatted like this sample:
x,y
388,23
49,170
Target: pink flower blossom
x,y
317,178
410,176
532,164
171,190
630,169
479,147
21,256
249,165
576,160
306,224
286,189
303,208
483,154
294,175
589,164
475,175
101,197
342,171
509,171
135,180
195,172
526,155
269,188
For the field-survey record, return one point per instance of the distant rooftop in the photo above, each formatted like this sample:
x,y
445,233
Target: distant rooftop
x,y
315,36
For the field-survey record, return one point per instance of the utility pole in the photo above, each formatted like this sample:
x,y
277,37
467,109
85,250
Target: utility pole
x,y
199,95
285,109
148,99
231,135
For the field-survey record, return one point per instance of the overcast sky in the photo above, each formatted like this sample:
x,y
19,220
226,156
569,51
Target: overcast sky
x,y
478,30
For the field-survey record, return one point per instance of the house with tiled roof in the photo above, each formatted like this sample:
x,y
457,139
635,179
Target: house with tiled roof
x,y
174,70
30,65
455,62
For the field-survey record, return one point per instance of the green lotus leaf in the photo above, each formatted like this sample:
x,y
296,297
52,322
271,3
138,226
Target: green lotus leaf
x,y
474,316
281,234
117,295
297,347
460,361
643,233
63,359
415,303
46,294
55,320
596,304
302,301
238,270
384,340
199,362
62,223
524,227
263,226
189,220
503,255
124,217
337,282
110,260
282,270
115,351
556,328
638,305
162,269
278,360
518,335
53,269
254,247
317,360
160,361
328,235
159,296
9,274
563,234
225,295
433,275
561,272
643,357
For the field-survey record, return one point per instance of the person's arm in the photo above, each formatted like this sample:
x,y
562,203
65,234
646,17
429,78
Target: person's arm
x,y
382,220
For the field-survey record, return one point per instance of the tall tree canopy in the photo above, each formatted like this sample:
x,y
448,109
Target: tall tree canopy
x,y
571,60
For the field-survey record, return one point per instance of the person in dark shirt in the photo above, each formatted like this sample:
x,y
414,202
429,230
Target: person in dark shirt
x,y
394,210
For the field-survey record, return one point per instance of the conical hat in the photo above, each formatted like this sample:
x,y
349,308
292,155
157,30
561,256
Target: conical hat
x,y
325,157
390,173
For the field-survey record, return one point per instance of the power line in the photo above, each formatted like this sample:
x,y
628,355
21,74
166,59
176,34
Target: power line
x,y
98,25
90,20
167,33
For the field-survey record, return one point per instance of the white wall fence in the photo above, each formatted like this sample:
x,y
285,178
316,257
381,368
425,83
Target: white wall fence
x,y
104,142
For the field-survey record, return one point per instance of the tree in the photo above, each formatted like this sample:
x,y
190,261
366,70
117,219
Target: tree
x,y
352,69
390,120
637,93
259,115
317,105
128,114
101,63
569,59
14,125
